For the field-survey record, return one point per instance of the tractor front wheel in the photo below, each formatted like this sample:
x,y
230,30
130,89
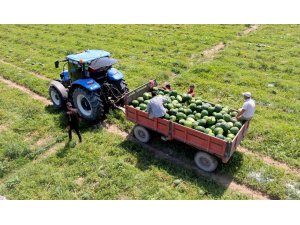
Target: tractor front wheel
x,y
56,97
88,104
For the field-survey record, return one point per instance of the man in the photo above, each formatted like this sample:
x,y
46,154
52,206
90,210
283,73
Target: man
x,y
248,109
191,90
73,121
155,107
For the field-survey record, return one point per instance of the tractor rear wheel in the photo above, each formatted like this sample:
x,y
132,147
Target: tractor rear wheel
x,y
88,104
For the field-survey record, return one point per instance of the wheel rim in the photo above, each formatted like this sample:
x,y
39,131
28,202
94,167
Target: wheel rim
x,y
55,97
84,105
204,162
141,134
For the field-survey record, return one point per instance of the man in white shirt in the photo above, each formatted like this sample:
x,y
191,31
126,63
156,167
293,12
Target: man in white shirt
x,y
248,109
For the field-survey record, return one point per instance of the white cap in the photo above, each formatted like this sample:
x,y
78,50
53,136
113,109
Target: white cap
x,y
247,94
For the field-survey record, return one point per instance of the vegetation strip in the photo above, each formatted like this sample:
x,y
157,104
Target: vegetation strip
x,y
25,90
42,77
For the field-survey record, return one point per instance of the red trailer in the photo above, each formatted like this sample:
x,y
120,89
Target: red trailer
x,y
210,149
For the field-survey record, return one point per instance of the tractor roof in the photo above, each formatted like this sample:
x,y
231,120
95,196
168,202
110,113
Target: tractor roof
x,y
88,56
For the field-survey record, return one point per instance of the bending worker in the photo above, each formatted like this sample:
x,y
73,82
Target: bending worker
x,y
248,109
155,107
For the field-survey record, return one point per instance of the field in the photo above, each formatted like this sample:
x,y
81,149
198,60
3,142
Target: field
x,y
221,60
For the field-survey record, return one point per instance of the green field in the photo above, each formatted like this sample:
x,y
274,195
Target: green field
x,y
265,62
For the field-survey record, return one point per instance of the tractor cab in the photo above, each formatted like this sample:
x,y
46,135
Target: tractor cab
x,y
91,63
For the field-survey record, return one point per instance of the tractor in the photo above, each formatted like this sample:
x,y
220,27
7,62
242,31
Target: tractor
x,y
90,83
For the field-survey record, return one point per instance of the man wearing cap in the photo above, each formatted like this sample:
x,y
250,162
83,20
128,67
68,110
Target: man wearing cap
x,y
73,121
248,109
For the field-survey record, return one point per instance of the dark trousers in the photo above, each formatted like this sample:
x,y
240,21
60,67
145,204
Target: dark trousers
x,y
76,129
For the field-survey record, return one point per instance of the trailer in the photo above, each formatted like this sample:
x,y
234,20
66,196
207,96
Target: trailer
x,y
210,150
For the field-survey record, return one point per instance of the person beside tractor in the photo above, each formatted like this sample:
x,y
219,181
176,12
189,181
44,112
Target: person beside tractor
x,y
73,119
155,107
248,109
191,90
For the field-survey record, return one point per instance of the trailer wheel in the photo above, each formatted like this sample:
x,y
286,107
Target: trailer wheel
x,y
206,161
142,134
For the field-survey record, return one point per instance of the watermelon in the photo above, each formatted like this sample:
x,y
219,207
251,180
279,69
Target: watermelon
x,y
230,136
167,116
198,102
161,93
227,117
220,136
211,110
188,123
170,106
218,116
202,122
228,139
190,119
193,106
147,95
180,116
181,110
225,127
188,111
233,114
238,124
207,130
182,121
140,99
230,124
233,119
212,127
218,130
211,120
218,108
205,107
174,102
146,102
221,121
204,113
205,117
191,115
195,124
143,106
155,89
173,93
186,98
198,116
172,118
200,128
199,108
173,112
179,98
173,98
135,103
234,130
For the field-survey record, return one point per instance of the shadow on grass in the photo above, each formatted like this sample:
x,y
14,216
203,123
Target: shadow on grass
x,y
181,165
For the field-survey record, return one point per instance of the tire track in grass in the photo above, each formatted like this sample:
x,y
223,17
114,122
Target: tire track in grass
x,y
268,160
209,54
42,77
25,90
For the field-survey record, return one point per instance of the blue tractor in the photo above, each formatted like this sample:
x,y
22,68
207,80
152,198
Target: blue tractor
x,y
90,83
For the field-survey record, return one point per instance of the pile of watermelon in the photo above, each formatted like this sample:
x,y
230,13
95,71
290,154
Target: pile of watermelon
x,y
195,113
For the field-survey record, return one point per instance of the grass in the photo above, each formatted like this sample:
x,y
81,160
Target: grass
x,y
265,62
104,167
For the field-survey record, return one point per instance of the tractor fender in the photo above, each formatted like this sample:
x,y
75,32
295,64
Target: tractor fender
x,y
60,88
89,84
113,74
